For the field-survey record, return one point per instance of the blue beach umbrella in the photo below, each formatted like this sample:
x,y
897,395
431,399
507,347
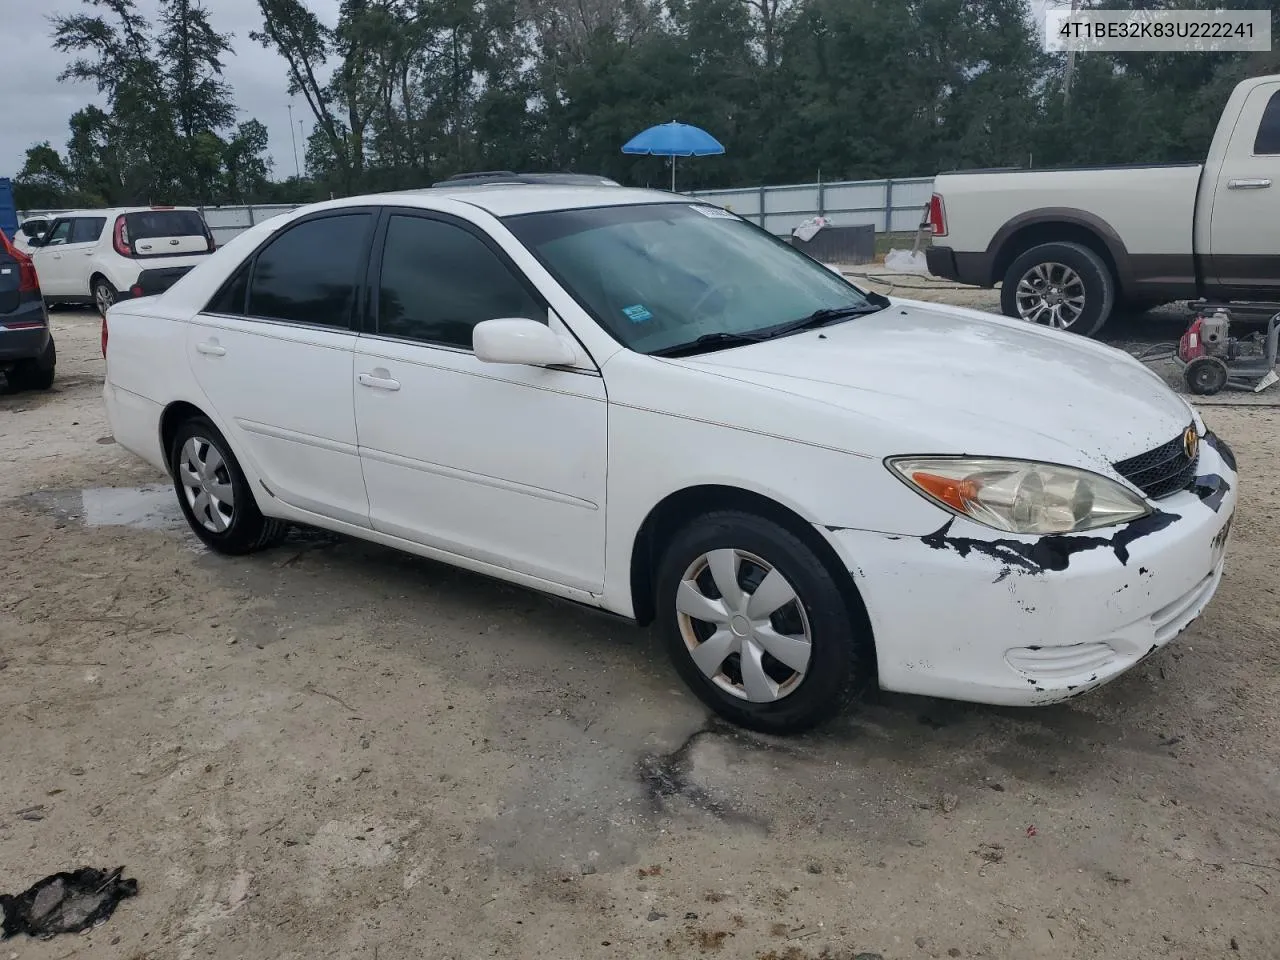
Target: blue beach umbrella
x,y
674,140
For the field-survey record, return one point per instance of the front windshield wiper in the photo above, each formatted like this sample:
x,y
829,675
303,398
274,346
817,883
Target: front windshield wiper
x,y
820,318
708,342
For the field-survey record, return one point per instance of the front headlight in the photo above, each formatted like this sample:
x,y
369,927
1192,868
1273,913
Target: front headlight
x,y
1020,496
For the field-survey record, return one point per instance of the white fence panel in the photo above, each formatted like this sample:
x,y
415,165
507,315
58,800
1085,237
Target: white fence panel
x,y
227,222
896,205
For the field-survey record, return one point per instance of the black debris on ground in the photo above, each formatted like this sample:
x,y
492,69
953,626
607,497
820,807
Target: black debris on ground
x,y
66,903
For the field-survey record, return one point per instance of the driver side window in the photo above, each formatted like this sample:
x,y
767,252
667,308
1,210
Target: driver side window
x,y
60,233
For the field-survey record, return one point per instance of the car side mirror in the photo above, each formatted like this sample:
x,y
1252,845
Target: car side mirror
x,y
517,340
36,241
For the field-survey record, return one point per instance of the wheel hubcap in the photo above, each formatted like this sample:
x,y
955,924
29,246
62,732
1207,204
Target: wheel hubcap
x,y
743,625
206,482
1051,294
105,299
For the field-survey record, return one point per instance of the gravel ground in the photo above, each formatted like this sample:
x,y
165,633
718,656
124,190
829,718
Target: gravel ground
x,y
334,750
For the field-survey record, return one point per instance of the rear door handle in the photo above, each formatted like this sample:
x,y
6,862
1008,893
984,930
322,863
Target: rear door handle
x,y
211,349
1249,183
378,383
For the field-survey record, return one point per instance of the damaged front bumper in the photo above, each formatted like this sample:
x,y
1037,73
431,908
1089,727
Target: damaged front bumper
x,y
969,613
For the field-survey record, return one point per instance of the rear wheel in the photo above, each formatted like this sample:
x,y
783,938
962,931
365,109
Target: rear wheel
x,y
214,494
756,626
1062,285
104,294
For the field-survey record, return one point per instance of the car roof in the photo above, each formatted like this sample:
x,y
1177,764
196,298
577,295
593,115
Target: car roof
x,y
112,211
512,200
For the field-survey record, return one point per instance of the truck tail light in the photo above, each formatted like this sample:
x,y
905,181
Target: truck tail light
x,y
121,238
937,216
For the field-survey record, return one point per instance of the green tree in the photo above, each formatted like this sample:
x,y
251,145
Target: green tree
x,y
114,51
44,182
246,164
199,100
306,44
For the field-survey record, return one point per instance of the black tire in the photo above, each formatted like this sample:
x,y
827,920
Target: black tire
x,y
1205,376
35,373
103,292
1098,284
839,664
247,530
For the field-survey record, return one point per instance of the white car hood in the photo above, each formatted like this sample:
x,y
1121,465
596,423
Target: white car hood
x,y
960,381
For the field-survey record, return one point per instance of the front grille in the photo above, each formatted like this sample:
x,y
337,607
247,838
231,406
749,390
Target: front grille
x,y
1160,472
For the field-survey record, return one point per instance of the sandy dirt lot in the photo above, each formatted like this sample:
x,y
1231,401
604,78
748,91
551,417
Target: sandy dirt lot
x,y
331,750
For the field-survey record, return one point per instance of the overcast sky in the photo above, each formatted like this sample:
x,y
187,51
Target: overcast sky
x,y
37,107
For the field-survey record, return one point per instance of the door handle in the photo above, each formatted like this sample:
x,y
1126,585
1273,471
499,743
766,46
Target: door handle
x,y
88,253
1249,183
211,349
378,383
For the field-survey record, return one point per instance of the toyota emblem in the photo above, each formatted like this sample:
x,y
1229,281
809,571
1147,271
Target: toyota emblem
x,y
1191,443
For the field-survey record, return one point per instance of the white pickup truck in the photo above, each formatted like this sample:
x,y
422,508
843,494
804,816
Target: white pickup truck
x,y
1067,245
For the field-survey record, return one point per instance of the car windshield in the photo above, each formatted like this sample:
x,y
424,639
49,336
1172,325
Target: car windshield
x,y
664,277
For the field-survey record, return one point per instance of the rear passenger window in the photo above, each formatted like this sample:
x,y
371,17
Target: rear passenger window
x,y
439,280
87,229
309,273
1268,138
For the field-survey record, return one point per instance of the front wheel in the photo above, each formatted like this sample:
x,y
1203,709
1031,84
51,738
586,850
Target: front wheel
x,y
214,494
1062,285
756,626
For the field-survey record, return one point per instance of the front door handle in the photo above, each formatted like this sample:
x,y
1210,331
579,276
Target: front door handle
x,y
211,349
1249,183
378,382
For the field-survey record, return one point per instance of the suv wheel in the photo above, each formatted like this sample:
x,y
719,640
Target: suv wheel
x,y
756,626
1062,285
214,494
104,295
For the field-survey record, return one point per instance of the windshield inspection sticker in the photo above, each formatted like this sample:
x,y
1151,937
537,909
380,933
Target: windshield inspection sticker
x,y
715,213
638,313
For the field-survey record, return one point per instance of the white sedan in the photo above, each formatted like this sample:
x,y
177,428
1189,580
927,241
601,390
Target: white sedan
x,y
646,404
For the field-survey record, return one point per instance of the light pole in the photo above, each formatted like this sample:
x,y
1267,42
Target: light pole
x,y
296,168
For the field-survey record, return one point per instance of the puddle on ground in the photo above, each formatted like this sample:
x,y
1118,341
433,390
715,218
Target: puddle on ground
x,y
153,507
